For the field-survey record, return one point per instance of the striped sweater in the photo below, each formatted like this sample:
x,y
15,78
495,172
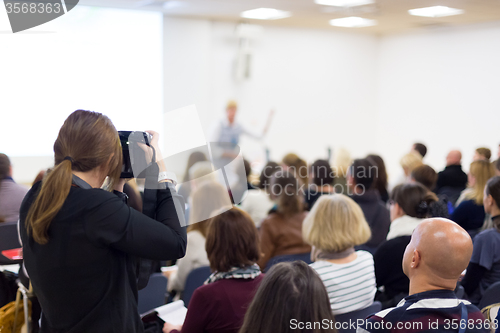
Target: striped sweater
x,y
350,286
433,311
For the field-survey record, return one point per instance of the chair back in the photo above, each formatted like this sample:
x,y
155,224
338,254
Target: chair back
x,y
344,320
154,294
194,280
305,257
490,296
9,239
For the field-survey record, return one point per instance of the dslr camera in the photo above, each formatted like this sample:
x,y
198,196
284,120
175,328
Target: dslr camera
x,y
135,162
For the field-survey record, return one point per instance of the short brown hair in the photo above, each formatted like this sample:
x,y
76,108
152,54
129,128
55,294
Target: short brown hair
x,y
425,175
232,241
486,152
4,166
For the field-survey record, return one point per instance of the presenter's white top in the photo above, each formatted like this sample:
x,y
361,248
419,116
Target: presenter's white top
x,y
223,131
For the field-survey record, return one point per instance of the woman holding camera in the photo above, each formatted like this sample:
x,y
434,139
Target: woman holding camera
x,y
79,240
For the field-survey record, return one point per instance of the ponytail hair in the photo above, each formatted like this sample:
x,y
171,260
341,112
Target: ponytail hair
x,y
286,189
86,141
415,200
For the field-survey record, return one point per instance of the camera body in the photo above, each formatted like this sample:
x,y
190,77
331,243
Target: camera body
x,y
134,157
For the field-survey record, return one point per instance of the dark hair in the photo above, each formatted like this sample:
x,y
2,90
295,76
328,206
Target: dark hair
x,y
290,290
91,141
285,187
322,173
362,173
195,157
425,175
380,182
248,168
4,167
414,199
421,148
232,241
486,152
265,176
493,188
498,164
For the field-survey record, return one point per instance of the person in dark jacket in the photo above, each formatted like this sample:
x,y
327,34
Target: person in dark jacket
x,y
452,180
360,178
79,241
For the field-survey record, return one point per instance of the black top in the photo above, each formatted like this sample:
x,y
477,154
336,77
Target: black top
x,y
84,277
451,176
376,214
388,271
469,215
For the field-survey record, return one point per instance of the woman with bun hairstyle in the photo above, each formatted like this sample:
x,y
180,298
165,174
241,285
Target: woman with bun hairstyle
x,y
410,204
484,266
79,240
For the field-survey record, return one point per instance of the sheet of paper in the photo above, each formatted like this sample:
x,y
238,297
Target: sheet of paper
x,y
173,313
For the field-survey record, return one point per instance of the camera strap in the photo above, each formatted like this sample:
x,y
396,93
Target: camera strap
x,y
145,266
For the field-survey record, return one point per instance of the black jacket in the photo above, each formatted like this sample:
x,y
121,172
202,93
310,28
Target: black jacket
x,y
452,176
376,214
84,277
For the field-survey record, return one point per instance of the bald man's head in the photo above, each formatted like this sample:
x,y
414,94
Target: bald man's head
x,y
439,248
454,157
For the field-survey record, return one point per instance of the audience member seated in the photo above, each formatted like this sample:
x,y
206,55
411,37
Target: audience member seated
x,y
408,162
185,186
482,154
452,180
410,204
497,171
427,176
484,266
39,177
437,254
420,148
248,172
392,283
380,182
296,166
258,203
281,231
360,178
290,293
11,193
208,197
199,173
321,181
220,305
334,226
469,213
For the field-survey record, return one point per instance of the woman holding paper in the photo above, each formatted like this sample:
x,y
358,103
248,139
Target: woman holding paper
x,y
220,305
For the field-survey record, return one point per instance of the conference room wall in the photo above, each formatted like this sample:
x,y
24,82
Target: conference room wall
x,y
440,87
322,85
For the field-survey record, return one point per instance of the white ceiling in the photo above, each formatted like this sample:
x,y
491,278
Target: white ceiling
x,y
392,15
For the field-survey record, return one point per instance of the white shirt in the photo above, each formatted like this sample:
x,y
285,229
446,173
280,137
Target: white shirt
x,y
196,256
257,204
403,226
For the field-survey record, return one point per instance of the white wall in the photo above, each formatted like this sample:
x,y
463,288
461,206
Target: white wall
x,y
439,87
321,84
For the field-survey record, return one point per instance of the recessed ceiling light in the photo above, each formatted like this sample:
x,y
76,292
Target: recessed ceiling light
x,y
344,3
435,11
352,22
265,14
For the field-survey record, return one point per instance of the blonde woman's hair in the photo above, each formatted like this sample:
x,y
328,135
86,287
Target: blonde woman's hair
x,y
411,161
341,162
335,223
208,199
481,170
201,172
